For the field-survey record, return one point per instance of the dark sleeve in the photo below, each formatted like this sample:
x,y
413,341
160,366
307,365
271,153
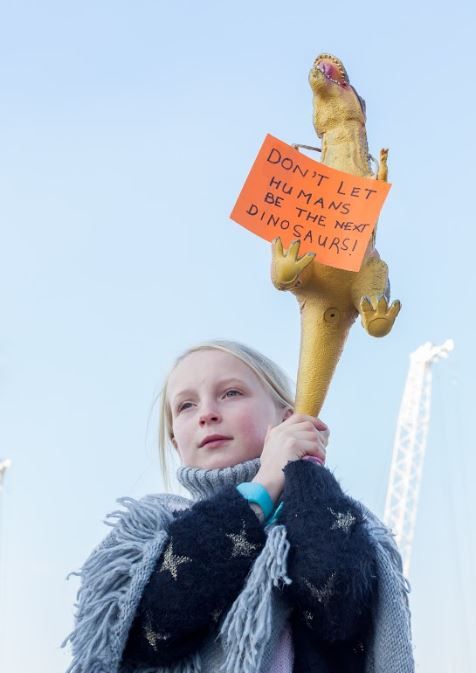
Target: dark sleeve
x,y
210,550
332,559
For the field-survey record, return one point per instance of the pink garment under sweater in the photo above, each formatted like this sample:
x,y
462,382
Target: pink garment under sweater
x,y
284,656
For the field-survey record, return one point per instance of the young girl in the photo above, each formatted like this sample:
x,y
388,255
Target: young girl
x,y
270,568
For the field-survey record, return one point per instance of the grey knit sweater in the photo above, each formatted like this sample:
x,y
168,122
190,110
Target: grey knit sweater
x,y
114,577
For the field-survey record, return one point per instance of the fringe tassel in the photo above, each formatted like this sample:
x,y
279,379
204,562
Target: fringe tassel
x,y
392,641
247,627
386,539
114,577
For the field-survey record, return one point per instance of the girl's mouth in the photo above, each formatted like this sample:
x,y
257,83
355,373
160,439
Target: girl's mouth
x,y
213,440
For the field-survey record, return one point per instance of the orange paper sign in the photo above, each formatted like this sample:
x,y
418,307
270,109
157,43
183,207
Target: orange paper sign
x,y
332,213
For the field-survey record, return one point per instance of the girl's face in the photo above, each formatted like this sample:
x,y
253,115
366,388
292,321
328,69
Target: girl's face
x,y
220,410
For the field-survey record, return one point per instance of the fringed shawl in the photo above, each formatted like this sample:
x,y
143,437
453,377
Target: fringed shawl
x,y
115,575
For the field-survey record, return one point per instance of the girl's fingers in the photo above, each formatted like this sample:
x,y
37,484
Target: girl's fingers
x,y
320,425
321,451
309,433
318,455
302,430
316,447
299,418
303,437
314,459
300,427
310,446
295,419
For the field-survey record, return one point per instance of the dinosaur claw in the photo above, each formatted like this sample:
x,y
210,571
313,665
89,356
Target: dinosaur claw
x,y
287,265
277,245
365,305
378,321
394,309
294,248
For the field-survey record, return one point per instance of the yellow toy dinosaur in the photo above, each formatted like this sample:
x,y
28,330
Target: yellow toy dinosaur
x,y
330,299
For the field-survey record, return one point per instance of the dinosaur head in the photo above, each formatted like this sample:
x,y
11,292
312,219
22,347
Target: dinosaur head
x,y
328,68
335,99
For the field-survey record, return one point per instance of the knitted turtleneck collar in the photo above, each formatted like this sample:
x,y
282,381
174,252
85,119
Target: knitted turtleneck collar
x,y
204,483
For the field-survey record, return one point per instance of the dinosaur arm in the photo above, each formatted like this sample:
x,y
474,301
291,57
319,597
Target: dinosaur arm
x,y
382,173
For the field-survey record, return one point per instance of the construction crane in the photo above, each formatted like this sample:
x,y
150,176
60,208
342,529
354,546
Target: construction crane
x,y
409,447
4,465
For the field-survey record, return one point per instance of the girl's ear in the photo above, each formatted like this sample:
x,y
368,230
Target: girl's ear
x,y
287,413
172,439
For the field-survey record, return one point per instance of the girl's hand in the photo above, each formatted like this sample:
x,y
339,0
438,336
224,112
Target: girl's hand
x,y
295,438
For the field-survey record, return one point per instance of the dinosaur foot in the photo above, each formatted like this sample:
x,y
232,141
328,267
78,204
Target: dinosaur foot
x,y
378,321
287,267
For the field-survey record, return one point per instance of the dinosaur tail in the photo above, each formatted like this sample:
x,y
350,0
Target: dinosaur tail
x,y
324,332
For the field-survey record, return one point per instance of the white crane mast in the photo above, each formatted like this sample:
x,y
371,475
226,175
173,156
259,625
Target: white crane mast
x,y
4,465
409,447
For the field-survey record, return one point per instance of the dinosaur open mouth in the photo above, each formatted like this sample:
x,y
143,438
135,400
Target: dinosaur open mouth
x,y
332,69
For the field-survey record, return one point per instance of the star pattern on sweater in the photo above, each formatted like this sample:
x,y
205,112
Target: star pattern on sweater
x,y
172,561
343,520
323,594
152,636
216,614
241,545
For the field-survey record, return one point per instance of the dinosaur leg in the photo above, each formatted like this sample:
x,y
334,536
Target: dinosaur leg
x,y
324,331
287,268
370,295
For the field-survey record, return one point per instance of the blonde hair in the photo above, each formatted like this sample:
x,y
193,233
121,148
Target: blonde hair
x,y
270,374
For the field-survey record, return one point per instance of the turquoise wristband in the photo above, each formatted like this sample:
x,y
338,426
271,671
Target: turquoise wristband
x,y
276,515
257,493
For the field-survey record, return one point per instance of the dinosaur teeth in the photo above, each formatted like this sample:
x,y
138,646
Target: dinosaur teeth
x,y
331,79
337,63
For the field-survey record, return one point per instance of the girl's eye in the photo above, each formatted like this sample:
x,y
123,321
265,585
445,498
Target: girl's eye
x,y
232,393
183,406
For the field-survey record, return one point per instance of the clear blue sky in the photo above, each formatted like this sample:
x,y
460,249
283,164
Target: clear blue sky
x,y
126,131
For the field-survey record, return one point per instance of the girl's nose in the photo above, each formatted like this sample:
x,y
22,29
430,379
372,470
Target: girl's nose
x,y
209,417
